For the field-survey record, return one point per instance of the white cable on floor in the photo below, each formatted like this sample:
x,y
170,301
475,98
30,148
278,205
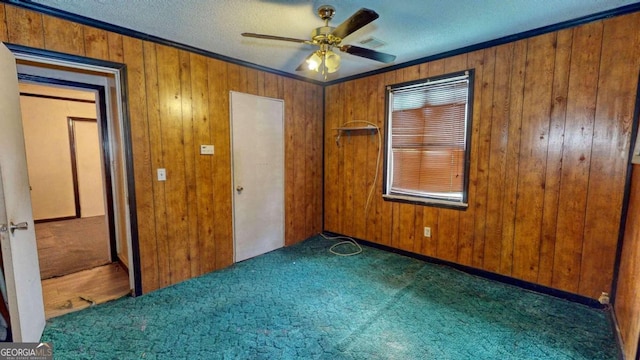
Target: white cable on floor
x,y
349,240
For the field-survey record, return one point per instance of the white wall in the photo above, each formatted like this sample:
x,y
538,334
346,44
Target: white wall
x,y
48,154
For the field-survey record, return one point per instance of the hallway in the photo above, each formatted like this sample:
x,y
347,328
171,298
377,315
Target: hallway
x,y
76,267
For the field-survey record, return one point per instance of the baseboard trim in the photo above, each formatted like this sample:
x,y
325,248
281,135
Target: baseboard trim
x,y
40,221
486,274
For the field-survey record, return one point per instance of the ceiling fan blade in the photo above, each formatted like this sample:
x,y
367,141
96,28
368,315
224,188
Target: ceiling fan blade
x,y
368,53
361,18
272,37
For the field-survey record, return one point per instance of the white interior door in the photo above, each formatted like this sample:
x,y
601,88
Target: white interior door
x,y
257,128
19,250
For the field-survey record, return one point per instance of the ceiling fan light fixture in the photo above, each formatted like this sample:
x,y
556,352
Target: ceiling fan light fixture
x,y
314,61
331,61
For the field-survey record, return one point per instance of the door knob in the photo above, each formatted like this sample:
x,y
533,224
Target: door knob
x,y
239,188
13,227
19,226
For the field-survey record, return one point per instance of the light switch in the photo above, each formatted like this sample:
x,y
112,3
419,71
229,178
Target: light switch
x,y
162,174
206,149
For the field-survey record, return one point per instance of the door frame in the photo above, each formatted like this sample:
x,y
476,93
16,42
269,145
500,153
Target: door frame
x,y
117,71
105,153
71,124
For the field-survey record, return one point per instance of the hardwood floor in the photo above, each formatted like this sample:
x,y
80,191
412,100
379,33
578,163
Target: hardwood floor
x,y
68,246
75,265
82,289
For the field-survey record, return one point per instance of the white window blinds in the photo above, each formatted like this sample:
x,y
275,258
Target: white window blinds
x,y
427,139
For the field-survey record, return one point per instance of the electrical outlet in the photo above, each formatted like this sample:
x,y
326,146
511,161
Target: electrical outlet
x,y
162,174
427,231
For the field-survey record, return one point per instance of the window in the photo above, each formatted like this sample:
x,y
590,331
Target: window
x,y
427,140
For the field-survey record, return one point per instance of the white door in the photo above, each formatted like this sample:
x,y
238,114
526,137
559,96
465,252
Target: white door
x,y
257,125
19,250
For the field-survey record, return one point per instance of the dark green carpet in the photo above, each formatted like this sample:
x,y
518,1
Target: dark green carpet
x,y
302,302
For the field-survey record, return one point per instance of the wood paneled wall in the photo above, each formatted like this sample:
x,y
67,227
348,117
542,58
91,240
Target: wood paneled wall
x,y
627,301
177,101
550,141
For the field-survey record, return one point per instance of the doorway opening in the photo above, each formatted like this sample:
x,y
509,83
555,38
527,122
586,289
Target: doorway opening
x,y
71,196
86,224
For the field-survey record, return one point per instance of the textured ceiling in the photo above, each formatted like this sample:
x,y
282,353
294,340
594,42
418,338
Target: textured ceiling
x,y
409,29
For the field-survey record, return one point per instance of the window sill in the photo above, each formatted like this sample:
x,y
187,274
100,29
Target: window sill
x,y
426,202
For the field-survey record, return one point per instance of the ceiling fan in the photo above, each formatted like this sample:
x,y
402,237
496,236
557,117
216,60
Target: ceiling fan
x,y
328,38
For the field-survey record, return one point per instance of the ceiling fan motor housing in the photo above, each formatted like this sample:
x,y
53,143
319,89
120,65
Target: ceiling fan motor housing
x,y
322,36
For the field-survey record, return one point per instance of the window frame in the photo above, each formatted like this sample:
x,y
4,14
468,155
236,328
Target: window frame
x,y
426,200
